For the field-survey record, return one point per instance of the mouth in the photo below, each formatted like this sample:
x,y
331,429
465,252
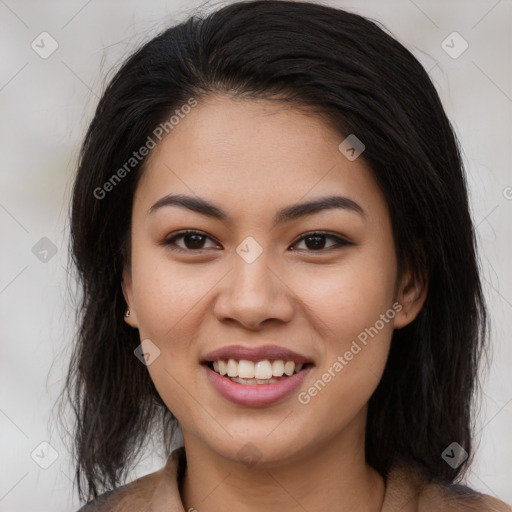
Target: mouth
x,y
255,376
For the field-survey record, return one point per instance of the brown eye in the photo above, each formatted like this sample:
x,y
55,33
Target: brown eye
x,y
192,241
316,241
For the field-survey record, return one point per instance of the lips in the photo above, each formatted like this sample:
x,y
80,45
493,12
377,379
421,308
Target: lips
x,y
255,376
270,352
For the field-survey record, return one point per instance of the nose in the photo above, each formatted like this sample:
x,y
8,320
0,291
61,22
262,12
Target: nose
x,y
254,293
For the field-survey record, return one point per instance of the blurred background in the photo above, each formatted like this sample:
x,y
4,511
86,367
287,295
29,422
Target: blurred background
x,y
55,57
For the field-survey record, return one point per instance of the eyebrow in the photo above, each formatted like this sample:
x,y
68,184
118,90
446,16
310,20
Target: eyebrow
x,y
287,214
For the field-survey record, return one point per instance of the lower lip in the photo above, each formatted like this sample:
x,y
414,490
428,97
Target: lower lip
x,y
255,394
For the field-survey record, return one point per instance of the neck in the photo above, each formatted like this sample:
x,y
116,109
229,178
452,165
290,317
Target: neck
x,y
331,476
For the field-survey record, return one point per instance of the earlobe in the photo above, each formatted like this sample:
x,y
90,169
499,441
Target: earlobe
x,y
411,295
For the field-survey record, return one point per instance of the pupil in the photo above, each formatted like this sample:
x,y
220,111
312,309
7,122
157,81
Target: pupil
x,y
196,244
318,244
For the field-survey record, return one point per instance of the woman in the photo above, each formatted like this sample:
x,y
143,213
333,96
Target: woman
x,y
271,225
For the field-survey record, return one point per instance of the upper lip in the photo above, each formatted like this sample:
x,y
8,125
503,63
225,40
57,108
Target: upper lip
x,y
271,352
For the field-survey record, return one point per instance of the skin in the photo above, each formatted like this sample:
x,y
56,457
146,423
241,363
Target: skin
x,y
252,158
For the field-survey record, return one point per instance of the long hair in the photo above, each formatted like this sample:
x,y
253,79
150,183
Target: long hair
x,y
365,83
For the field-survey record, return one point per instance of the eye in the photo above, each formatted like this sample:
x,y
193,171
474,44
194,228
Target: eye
x,y
193,241
315,241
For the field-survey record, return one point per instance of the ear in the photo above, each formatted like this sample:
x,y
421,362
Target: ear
x,y
126,285
411,294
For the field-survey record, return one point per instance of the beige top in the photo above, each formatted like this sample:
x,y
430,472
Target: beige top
x,y
407,490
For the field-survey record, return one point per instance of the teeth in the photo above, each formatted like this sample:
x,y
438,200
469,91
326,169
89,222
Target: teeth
x,y
246,370
278,368
289,368
223,367
263,371
253,381
232,368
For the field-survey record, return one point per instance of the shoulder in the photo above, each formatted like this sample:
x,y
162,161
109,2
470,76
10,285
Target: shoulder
x,y
100,504
126,498
410,488
459,498
158,489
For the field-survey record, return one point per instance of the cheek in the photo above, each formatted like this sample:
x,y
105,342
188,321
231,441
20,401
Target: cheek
x,y
352,308
349,297
167,294
354,357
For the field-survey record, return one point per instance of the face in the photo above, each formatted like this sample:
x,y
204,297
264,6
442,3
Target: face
x,y
263,279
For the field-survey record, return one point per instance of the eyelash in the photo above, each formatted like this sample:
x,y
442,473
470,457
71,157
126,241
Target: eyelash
x,y
170,242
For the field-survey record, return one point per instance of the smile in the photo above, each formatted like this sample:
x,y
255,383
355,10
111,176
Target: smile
x,y
255,376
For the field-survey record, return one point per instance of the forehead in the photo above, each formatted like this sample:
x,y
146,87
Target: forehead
x,y
254,152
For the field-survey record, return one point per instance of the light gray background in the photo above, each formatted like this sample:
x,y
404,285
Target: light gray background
x,y
46,105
